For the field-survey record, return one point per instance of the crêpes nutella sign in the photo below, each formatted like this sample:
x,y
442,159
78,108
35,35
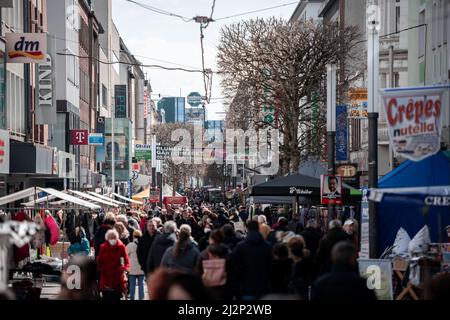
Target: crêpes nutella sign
x,y
414,119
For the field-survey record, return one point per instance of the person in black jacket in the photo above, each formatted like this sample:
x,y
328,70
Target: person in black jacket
x,y
281,269
312,236
161,243
108,223
145,243
343,283
231,239
253,258
323,255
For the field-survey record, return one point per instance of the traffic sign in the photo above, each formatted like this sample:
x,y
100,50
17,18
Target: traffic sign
x,y
194,99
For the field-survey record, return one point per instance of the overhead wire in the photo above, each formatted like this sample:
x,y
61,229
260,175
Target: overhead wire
x,y
160,11
256,11
130,63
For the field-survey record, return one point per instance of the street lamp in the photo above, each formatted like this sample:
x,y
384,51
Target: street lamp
x,y
373,51
331,125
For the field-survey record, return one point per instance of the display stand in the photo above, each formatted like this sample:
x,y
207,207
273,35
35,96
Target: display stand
x,y
400,267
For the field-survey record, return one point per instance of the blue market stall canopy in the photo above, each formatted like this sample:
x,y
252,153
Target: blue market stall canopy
x,y
438,196
432,171
412,196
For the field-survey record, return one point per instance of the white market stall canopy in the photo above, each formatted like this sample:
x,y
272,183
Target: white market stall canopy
x,y
93,198
107,198
126,199
51,194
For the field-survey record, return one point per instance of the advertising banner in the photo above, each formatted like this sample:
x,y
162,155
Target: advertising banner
x,y
154,196
358,108
195,116
341,134
331,189
26,47
364,251
414,120
4,152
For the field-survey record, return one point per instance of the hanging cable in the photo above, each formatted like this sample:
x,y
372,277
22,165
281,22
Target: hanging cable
x,y
130,63
160,11
255,11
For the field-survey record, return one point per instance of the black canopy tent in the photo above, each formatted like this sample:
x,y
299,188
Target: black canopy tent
x,y
306,188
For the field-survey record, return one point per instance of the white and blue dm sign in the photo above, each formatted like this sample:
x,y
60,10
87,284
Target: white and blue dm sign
x,y
96,139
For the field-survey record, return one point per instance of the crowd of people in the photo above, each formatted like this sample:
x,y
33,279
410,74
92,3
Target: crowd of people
x,y
214,252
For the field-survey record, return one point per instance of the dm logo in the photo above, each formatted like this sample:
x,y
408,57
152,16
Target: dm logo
x,y
26,49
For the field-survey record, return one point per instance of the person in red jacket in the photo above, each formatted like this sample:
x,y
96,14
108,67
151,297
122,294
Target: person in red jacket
x,y
113,263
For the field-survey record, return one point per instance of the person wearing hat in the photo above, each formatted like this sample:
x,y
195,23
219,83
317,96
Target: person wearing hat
x,y
351,228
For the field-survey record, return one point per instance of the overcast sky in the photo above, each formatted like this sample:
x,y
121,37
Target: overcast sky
x,y
159,39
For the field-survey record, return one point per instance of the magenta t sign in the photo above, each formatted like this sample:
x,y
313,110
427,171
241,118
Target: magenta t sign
x,y
79,137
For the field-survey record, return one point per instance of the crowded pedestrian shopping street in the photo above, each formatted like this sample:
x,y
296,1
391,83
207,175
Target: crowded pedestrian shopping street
x,y
231,155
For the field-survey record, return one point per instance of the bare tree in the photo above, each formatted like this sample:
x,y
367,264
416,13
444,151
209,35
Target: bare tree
x,y
176,174
287,62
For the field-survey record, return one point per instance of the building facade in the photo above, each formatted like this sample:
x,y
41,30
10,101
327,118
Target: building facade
x,y
429,54
174,109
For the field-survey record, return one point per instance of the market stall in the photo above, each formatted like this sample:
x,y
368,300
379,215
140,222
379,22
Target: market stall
x,y
39,261
94,198
404,199
107,198
127,199
413,215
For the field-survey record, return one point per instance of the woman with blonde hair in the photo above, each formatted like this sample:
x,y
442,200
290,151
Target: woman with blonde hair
x,y
136,273
264,228
124,235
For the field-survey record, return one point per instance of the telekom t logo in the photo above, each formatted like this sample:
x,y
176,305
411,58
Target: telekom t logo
x,y
79,137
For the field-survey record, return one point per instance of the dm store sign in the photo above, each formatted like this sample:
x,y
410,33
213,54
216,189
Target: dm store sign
x,y
26,47
414,118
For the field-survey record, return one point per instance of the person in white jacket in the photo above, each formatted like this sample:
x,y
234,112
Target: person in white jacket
x,y
136,273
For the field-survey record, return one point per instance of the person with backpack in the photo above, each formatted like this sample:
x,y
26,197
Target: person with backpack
x,y
253,258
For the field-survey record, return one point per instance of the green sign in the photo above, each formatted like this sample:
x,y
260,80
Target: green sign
x,y
143,152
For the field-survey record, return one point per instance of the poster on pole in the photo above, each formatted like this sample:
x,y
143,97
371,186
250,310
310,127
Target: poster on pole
x,y
364,246
331,189
414,120
378,274
341,133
